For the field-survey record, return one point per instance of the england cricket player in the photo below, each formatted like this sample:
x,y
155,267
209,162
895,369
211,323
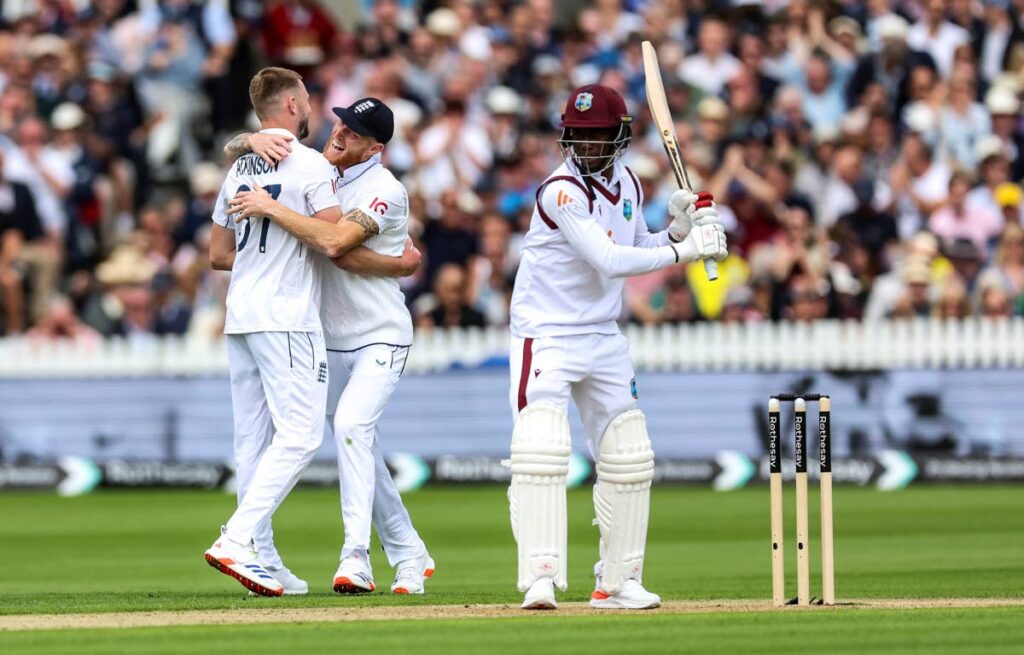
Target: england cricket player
x,y
586,235
275,341
368,331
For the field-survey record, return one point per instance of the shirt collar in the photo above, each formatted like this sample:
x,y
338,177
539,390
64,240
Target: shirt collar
x,y
278,130
352,173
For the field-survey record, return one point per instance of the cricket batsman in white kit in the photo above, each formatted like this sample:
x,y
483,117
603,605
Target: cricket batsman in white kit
x,y
369,333
586,235
275,341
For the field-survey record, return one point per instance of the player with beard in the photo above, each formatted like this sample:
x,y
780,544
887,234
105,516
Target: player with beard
x,y
275,340
368,331
587,234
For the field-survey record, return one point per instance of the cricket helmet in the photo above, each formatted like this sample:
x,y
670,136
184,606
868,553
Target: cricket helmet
x,y
594,107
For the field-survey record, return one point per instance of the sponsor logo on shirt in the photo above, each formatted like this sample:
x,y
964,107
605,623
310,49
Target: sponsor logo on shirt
x,y
627,209
563,198
632,388
379,206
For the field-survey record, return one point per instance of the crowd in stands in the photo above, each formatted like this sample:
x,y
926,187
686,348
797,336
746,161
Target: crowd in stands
x,y
867,157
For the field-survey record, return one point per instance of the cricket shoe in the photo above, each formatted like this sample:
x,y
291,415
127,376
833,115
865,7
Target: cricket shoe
x,y
630,596
412,574
354,576
240,562
293,584
540,595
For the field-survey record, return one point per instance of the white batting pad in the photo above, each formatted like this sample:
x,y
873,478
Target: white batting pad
x,y
622,498
540,462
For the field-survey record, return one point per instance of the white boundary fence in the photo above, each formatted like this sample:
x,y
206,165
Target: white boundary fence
x,y
833,345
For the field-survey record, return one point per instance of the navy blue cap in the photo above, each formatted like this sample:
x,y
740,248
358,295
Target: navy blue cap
x,y
369,117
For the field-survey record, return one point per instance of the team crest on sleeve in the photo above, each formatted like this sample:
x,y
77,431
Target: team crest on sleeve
x,y
584,101
627,209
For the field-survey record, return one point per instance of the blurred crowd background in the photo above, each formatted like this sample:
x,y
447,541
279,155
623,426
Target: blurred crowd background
x,y
867,157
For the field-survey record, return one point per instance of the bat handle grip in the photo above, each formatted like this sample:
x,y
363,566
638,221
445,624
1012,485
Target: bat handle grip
x,y
711,269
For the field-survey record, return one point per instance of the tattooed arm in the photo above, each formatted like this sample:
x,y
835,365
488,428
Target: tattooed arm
x,y
272,148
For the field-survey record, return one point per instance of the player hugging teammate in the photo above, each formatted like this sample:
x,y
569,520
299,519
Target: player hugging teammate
x,y
346,363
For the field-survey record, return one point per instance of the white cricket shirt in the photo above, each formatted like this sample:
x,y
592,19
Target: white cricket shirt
x,y
275,280
359,310
585,237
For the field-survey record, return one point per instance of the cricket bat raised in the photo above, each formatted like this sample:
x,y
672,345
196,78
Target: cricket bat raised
x,y
666,128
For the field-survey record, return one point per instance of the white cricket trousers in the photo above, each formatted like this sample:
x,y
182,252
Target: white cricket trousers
x,y
594,369
362,381
279,386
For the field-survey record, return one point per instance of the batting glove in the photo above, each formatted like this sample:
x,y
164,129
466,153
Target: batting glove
x,y
707,241
681,206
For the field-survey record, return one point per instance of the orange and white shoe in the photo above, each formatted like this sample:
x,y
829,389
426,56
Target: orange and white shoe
x,y
631,596
292,584
240,562
354,576
411,575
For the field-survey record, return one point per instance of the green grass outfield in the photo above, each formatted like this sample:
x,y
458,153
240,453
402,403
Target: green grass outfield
x,y
135,551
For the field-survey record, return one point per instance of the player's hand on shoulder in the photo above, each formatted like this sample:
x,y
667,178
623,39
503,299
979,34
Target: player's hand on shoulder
x,y
247,204
272,148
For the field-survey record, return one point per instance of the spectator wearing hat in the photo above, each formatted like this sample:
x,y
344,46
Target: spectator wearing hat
x,y
955,219
914,299
967,260
1010,199
952,300
920,252
84,201
1003,104
503,129
123,305
994,170
889,67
